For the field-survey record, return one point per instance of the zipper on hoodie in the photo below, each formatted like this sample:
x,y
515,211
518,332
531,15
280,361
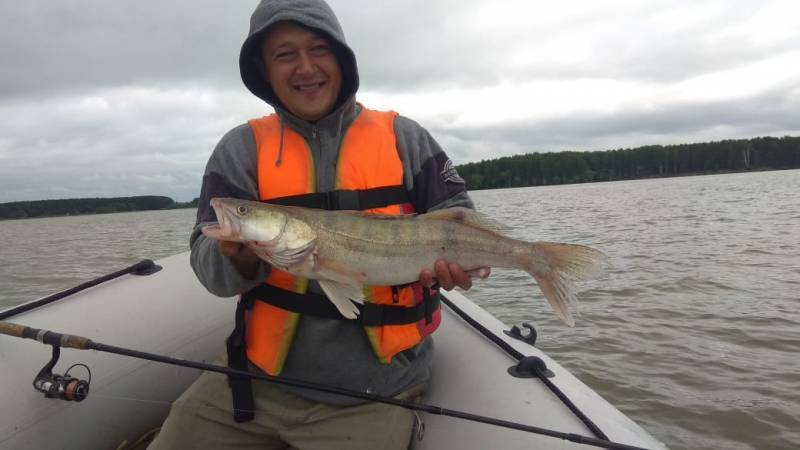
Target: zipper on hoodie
x,y
319,154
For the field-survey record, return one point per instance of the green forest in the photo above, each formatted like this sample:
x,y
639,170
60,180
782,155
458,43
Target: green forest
x,y
75,206
533,169
537,169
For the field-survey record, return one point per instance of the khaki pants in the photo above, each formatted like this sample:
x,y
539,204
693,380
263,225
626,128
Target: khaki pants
x,y
201,419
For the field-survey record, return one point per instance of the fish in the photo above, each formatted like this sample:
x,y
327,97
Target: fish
x,y
348,250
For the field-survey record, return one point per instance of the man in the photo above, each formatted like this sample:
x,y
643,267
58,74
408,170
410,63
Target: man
x,y
319,141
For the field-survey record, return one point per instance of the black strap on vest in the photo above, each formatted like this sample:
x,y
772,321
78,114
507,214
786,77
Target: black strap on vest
x,y
317,305
241,387
370,314
345,199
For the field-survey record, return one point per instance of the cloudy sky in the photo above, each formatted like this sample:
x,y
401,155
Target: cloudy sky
x,y
116,98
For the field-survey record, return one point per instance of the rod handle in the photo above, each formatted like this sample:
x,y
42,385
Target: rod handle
x,y
45,336
12,329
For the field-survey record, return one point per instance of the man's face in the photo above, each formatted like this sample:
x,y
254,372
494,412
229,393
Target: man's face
x,y
302,70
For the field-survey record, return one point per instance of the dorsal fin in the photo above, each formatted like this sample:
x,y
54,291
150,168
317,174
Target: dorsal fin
x,y
464,215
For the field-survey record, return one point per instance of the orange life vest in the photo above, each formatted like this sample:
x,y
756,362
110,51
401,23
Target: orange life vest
x,y
368,159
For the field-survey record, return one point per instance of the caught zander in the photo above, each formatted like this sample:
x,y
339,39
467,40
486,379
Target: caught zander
x,y
346,250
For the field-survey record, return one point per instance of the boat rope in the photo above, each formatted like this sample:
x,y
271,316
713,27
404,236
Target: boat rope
x,y
81,343
540,374
143,267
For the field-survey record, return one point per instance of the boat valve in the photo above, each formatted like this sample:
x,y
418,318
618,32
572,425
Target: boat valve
x,y
64,387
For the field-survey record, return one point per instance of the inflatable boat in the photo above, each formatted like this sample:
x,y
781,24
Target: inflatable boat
x,y
492,388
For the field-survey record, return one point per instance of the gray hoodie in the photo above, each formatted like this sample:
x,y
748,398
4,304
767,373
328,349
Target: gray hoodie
x,y
332,352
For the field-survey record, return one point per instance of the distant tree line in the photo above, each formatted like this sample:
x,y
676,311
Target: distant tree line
x,y
76,206
536,169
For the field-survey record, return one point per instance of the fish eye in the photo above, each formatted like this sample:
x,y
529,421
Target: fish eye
x,y
242,210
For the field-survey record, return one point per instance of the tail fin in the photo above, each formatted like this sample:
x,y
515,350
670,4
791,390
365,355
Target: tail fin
x,y
556,266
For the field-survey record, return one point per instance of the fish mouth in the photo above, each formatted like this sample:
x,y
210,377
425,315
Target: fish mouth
x,y
228,227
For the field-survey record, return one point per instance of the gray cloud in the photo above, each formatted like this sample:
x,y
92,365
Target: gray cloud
x,y
122,98
116,142
81,45
441,48
85,44
773,113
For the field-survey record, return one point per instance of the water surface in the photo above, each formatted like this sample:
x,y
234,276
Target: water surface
x,y
693,330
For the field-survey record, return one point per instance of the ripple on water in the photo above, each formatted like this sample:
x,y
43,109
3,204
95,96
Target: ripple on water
x,y
692,330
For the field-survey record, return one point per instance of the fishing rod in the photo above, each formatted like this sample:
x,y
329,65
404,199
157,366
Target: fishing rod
x,y
74,390
142,268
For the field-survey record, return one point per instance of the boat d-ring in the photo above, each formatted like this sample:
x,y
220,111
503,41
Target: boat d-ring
x,y
516,333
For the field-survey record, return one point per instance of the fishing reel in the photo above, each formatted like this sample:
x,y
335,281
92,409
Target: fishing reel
x,y
64,387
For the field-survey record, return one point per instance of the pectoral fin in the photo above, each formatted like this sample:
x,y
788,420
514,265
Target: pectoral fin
x,y
342,296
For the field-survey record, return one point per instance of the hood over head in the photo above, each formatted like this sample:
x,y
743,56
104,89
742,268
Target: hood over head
x,y
313,14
